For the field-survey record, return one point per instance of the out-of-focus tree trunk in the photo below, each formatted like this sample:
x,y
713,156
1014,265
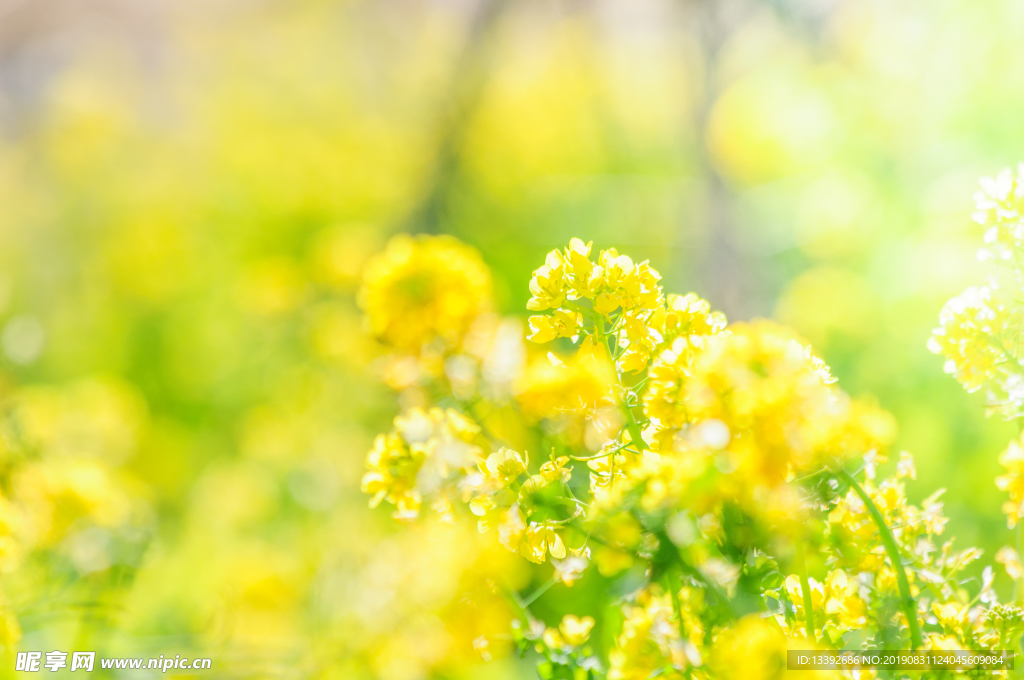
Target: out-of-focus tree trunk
x,y
468,80
728,271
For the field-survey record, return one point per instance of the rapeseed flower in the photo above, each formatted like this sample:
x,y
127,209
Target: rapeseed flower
x,y
424,289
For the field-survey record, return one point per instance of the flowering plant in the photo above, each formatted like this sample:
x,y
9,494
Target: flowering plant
x,y
713,475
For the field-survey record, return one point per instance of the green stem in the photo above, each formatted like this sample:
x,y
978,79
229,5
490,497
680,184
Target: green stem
x,y
576,307
513,596
606,453
805,586
1008,356
674,588
907,600
633,427
540,591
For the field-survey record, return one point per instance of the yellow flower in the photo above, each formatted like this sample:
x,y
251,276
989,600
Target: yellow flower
x,y
593,351
569,570
751,649
555,471
504,466
539,540
850,526
507,520
553,639
552,388
1010,560
650,639
905,467
844,607
931,514
665,397
548,283
688,315
977,335
772,403
606,469
625,284
999,209
638,341
1012,458
795,591
950,615
561,324
58,493
427,450
889,497
391,475
748,405
576,631
618,269
422,289
580,270
943,642
530,487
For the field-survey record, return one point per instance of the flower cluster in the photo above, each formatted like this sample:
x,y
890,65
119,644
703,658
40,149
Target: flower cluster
x,y
837,604
426,452
656,637
758,398
753,648
504,503
577,386
702,466
615,288
424,290
851,529
67,497
427,301
979,337
1012,481
564,650
979,330
999,209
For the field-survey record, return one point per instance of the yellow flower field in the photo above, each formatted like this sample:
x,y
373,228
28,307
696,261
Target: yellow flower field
x,y
453,339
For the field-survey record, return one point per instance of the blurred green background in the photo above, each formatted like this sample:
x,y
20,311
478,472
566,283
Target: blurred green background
x,y
189,189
